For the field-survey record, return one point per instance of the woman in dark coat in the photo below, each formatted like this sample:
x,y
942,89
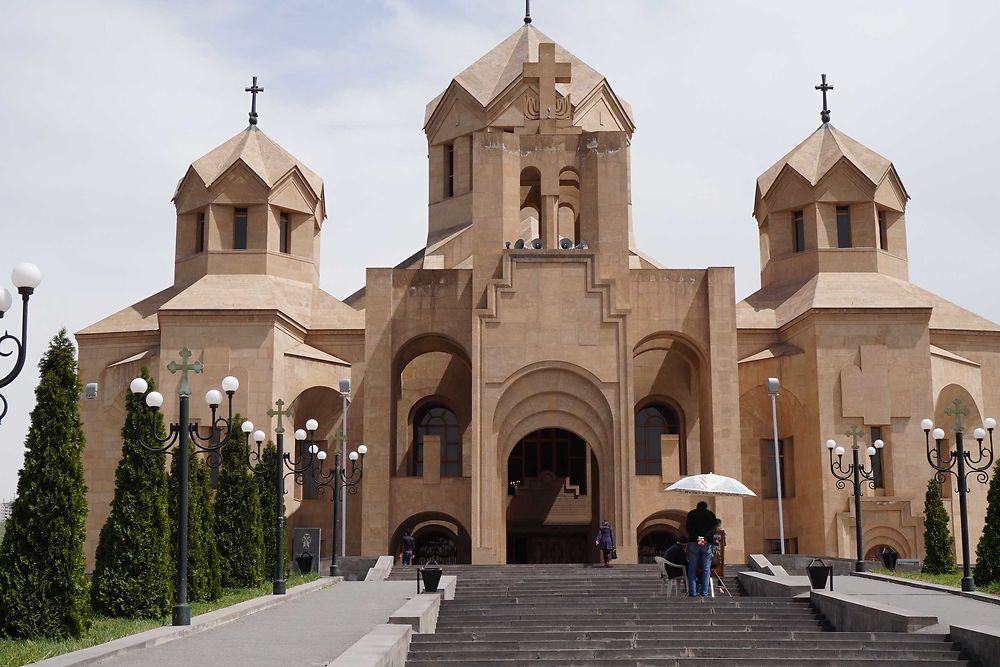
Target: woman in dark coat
x,y
605,541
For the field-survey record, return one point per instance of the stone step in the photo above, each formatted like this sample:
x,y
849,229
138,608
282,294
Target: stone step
x,y
574,655
672,646
698,637
702,662
686,628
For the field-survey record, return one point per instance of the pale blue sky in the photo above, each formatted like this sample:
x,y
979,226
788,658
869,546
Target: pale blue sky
x,y
104,104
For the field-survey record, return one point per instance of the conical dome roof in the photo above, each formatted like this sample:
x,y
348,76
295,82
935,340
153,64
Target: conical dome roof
x,y
817,155
260,153
487,78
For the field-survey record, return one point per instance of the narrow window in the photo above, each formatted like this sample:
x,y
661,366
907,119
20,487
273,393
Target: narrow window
x,y
284,233
442,422
883,232
450,177
843,227
771,468
877,459
798,231
199,231
240,229
651,423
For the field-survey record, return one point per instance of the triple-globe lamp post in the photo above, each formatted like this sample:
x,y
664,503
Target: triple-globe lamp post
x,y
296,468
26,277
857,474
337,478
182,433
961,463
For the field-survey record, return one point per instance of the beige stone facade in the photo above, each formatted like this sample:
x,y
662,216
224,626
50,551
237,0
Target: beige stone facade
x,y
530,372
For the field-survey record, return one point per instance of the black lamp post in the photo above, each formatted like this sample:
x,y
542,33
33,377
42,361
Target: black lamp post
x,y
181,433
336,478
857,474
26,277
961,463
294,467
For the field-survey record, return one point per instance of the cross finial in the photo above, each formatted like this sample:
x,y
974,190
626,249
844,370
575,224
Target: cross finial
x,y
854,434
957,412
547,72
527,12
824,86
253,90
279,413
184,367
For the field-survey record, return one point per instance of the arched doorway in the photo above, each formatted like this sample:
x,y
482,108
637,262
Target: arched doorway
x,y
655,543
552,499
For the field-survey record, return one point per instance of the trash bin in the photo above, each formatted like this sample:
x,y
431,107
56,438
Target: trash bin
x,y
431,574
305,562
818,574
889,556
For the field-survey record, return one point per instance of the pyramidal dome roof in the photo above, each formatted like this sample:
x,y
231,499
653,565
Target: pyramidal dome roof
x,y
820,151
260,153
487,78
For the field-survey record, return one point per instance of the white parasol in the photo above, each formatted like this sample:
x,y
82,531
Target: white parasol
x,y
710,484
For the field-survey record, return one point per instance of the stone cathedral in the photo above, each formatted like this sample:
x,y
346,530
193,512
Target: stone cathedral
x,y
530,371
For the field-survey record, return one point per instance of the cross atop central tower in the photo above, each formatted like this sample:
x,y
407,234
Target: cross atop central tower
x,y
547,72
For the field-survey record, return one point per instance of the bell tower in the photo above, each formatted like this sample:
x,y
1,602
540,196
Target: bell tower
x,y
830,205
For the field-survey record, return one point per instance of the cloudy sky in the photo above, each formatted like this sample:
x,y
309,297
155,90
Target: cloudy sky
x,y
104,104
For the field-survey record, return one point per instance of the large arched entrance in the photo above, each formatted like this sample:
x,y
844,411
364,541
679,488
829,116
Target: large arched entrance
x,y
552,499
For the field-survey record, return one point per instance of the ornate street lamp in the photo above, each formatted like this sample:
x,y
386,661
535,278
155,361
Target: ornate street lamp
x,y
961,464
339,478
856,473
295,468
26,277
181,433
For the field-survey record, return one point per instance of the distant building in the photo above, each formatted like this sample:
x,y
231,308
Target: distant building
x,y
5,509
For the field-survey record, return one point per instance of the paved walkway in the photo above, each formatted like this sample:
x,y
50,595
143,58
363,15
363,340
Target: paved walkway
x,y
310,630
950,609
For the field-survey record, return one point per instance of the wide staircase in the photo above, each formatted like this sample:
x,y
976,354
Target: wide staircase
x,y
584,615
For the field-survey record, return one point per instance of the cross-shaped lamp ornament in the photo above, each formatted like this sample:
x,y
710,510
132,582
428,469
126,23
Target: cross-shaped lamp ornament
x,y
182,433
960,463
857,473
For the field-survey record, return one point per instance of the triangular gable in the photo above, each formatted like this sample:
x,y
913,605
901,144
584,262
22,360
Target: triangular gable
x,y
612,104
444,105
293,192
891,193
790,189
237,185
459,115
844,173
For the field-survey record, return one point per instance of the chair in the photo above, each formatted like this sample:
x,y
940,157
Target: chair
x,y
663,564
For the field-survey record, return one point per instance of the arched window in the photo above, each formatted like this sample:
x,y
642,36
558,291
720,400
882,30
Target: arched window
x,y
651,422
440,421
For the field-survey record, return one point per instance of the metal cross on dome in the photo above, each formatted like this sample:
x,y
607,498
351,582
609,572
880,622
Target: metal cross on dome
x,y
253,90
184,367
824,86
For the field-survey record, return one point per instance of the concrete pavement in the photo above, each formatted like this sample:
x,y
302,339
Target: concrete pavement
x,y
310,630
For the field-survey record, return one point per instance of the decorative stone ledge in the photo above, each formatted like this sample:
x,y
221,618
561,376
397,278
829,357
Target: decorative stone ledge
x,y
381,570
762,585
982,642
420,613
384,646
851,613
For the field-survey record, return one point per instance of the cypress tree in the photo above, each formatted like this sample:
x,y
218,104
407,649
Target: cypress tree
x,y
238,529
268,504
203,575
43,590
939,557
988,550
132,573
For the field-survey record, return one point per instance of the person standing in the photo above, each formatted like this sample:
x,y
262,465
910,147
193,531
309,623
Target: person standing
x,y
408,544
700,526
605,541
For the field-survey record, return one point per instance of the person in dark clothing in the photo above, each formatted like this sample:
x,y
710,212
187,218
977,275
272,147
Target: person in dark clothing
x,y
605,541
700,527
675,555
408,544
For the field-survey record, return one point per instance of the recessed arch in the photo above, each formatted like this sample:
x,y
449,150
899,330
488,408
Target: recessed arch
x,y
430,526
